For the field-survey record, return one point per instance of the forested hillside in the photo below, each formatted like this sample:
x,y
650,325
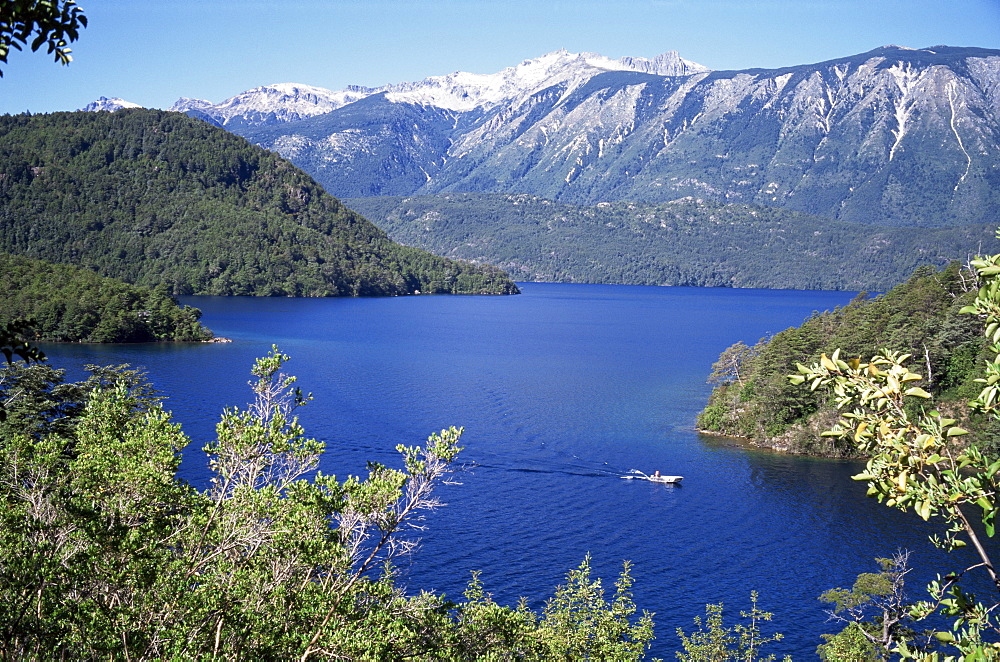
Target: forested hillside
x,y
157,198
73,304
688,242
754,399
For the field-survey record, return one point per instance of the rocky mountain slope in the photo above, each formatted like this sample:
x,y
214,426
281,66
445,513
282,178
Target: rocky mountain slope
x,y
894,136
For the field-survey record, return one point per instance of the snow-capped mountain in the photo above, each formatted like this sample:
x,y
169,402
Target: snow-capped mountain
x,y
459,91
462,91
894,136
110,104
270,104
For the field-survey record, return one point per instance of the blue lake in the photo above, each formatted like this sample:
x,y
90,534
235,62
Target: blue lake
x,y
561,390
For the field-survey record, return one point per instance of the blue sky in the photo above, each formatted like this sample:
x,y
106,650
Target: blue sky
x,y
152,52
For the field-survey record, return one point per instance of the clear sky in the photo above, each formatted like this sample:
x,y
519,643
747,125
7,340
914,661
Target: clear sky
x,y
152,52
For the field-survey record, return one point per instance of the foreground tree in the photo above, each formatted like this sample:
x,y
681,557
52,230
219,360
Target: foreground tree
x,y
919,462
713,641
105,553
50,23
875,612
13,343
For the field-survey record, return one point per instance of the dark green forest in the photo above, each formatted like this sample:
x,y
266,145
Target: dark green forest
x,y
156,198
753,398
73,304
686,242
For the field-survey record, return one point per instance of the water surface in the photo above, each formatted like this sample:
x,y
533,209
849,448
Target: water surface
x,y
561,390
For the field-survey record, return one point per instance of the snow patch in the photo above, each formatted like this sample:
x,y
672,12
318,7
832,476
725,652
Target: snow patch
x,y
109,104
458,91
951,104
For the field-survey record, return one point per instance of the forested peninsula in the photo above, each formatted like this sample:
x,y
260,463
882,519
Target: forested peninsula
x,y
73,304
754,400
160,199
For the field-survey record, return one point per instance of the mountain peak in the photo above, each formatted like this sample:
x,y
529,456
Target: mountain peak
x,y
275,103
669,63
185,104
459,91
464,91
109,104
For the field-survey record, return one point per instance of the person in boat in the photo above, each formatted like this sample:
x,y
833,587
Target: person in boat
x,y
656,475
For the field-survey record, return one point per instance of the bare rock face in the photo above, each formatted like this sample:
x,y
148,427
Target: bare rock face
x,y
894,136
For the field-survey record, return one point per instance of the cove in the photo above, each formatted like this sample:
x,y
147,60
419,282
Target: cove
x,y
561,391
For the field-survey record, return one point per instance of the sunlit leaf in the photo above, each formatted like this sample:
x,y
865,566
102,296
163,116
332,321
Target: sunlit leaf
x,y
827,363
862,427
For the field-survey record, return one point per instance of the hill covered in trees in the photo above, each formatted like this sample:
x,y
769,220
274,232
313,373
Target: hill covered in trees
x,y
687,242
753,398
73,304
156,198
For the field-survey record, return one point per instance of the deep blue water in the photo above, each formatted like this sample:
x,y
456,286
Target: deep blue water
x,y
560,390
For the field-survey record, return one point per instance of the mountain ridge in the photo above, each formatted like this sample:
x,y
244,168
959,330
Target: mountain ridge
x,y
462,91
892,137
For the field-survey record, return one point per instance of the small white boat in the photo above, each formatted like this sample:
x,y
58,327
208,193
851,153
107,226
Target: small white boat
x,y
656,477
665,479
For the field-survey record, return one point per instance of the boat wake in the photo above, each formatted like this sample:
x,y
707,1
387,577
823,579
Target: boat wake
x,y
568,471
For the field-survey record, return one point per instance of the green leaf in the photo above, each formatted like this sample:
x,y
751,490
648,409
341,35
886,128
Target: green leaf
x,y
918,392
956,431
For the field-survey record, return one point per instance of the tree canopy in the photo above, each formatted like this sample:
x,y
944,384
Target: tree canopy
x,y
752,398
72,304
689,242
49,23
156,198
923,461
105,552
